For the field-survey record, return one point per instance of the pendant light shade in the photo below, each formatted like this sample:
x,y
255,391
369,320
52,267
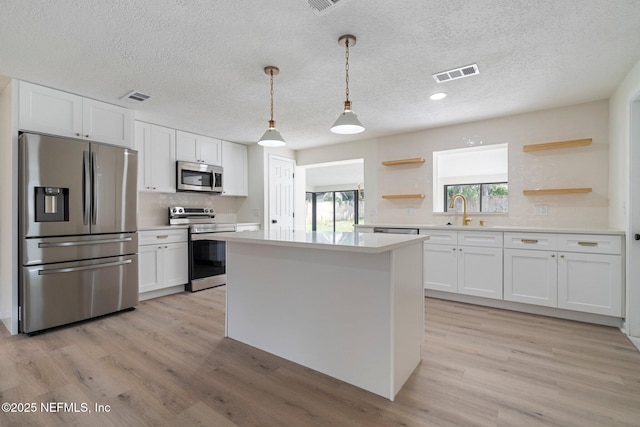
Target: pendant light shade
x,y
271,138
347,122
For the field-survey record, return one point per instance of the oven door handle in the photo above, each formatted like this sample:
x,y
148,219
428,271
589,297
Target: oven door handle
x,y
203,236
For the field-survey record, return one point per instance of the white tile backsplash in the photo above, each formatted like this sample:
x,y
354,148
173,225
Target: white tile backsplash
x,y
153,207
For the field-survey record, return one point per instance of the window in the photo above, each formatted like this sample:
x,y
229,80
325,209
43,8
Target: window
x,y
334,210
483,197
480,173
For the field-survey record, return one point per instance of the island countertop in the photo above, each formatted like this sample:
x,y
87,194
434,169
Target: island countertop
x,y
338,241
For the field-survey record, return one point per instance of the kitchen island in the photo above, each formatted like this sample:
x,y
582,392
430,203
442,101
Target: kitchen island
x,y
349,305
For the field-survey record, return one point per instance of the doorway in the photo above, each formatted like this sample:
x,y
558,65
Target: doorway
x,y
334,195
281,203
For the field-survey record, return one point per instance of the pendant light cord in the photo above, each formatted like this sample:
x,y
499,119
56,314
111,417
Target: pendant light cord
x,y
271,92
346,68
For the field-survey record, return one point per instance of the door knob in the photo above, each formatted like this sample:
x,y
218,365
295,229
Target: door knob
x,y
636,236
274,221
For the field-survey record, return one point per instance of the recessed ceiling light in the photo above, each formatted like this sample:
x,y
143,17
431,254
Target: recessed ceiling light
x,y
437,96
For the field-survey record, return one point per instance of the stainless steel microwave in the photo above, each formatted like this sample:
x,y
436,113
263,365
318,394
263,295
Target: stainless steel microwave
x,y
198,177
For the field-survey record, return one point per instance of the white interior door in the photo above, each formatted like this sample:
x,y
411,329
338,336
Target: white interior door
x,y
281,193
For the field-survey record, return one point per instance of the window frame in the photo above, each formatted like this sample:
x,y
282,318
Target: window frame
x,y
481,184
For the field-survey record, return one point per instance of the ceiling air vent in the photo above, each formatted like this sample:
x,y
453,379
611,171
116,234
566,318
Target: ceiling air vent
x,y
321,7
457,73
135,96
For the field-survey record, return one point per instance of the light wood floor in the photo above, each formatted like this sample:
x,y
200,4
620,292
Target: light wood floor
x,y
167,363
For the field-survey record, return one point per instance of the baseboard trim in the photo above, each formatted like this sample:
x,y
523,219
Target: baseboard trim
x,y
527,308
161,292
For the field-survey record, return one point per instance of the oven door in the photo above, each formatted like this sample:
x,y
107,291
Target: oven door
x,y
207,262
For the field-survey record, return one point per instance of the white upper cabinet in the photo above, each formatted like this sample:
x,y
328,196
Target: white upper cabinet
x,y
107,123
234,164
50,111
198,149
156,147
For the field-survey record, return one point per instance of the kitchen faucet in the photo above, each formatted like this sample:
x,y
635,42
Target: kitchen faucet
x,y
465,220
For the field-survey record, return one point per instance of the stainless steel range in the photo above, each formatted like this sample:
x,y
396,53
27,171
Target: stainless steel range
x,y
207,256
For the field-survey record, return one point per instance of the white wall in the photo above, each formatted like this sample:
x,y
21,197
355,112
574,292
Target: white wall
x,y
624,189
575,167
9,203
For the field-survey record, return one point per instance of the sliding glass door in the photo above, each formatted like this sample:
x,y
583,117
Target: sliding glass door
x,y
334,210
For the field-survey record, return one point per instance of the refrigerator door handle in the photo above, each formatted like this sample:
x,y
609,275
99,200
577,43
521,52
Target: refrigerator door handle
x,y
84,267
82,243
86,187
94,190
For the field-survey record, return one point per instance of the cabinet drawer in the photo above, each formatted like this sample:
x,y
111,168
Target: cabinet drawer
x,y
536,241
487,239
590,243
440,237
153,237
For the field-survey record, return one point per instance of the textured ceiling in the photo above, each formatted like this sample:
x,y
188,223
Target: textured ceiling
x,y
202,61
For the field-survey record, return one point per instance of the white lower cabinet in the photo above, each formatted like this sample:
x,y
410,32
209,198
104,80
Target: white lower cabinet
x,y
162,259
464,262
590,283
570,271
531,276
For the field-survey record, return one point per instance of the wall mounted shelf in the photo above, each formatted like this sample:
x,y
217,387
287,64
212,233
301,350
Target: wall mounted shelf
x,y
559,144
403,196
416,160
541,191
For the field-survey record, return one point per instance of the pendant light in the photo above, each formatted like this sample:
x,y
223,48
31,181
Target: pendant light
x,y
271,137
347,122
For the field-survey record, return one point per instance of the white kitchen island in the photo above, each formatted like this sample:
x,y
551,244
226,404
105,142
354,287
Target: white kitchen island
x,y
349,305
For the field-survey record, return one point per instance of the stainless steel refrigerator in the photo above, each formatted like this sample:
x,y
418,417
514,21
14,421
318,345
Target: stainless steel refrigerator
x,y
78,240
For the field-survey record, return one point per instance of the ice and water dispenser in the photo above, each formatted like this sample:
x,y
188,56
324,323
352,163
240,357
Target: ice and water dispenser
x,y
52,204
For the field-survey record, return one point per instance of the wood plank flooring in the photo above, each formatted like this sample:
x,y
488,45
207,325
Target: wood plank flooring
x,y
168,364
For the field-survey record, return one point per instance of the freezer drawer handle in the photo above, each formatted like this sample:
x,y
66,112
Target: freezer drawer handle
x,y
588,243
529,240
85,267
84,242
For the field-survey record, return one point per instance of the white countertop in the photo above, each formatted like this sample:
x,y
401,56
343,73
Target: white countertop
x,y
507,228
349,242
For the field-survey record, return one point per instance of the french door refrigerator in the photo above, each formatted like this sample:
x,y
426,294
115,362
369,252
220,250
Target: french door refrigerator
x,y
77,230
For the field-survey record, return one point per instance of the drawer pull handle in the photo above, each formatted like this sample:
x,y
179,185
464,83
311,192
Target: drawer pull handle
x,y
529,240
164,236
588,243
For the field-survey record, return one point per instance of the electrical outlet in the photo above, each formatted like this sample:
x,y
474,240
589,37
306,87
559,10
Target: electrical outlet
x,y
541,210
409,211
256,213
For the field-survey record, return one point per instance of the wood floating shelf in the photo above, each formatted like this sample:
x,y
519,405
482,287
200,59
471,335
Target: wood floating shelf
x,y
559,144
556,191
403,196
415,160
